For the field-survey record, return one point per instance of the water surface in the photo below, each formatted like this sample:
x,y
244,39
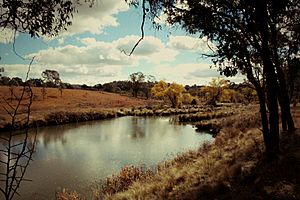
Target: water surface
x,y
74,156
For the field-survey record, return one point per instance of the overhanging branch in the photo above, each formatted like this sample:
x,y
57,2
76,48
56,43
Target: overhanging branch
x,y
142,31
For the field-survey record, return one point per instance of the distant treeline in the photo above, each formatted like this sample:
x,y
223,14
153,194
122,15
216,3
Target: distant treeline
x,y
214,92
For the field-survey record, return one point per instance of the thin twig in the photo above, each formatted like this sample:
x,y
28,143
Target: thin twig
x,y
14,46
142,31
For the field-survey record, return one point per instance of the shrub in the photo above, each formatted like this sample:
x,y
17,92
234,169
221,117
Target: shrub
x,y
122,181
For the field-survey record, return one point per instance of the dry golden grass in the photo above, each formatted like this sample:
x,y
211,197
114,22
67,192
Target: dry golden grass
x,y
202,174
233,167
70,101
68,195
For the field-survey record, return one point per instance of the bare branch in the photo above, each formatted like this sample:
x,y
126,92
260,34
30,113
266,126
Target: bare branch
x,y
14,46
142,31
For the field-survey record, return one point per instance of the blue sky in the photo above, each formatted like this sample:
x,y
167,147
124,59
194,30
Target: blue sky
x,y
89,52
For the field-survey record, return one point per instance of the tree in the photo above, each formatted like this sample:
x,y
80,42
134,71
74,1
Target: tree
x,y
16,81
4,80
136,79
61,87
187,99
248,92
246,35
214,90
44,92
43,17
98,86
13,83
51,76
1,71
147,85
293,78
172,92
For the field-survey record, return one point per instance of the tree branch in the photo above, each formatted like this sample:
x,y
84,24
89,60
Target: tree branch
x,y
142,31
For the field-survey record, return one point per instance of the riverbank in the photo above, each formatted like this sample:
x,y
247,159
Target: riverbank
x,y
233,167
81,105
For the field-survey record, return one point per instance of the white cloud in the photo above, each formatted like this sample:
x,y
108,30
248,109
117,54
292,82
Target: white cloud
x,y
98,61
80,74
190,43
99,53
200,74
162,19
184,73
94,19
150,48
6,35
61,41
95,54
190,73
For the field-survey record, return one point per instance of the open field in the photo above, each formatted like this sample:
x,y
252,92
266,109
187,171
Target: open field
x,y
76,101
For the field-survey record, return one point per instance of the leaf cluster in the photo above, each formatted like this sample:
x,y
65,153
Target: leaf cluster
x,y
42,17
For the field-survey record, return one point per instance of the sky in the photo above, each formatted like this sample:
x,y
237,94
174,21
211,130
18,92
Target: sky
x,y
90,51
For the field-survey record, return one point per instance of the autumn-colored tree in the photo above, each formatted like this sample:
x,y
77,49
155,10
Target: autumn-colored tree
x,y
248,94
187,98
172,92
214,90
231,96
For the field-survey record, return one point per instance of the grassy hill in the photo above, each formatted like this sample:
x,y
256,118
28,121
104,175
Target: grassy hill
x,y
71,100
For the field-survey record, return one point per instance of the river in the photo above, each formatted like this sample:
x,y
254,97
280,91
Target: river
x,y
75,156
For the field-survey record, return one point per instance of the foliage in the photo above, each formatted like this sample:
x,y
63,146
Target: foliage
x,y
293,78
248,93
136,79
43,17
4,80
16,81
172,92
13,83
215,90
1,71
35,82
51,76
115,86
187,98
147,85
121,181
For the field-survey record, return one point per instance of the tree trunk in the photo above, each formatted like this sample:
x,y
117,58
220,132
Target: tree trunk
x,y
284,100
263,115
262,105
286,116
271,80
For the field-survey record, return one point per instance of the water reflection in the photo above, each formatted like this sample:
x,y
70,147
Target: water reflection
x,y
73,156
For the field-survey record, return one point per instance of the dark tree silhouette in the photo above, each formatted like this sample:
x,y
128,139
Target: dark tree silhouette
x,y
51,76
43,17
136,79
1,71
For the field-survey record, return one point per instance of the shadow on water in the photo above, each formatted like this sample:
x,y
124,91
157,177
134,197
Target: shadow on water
x,y
75,155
